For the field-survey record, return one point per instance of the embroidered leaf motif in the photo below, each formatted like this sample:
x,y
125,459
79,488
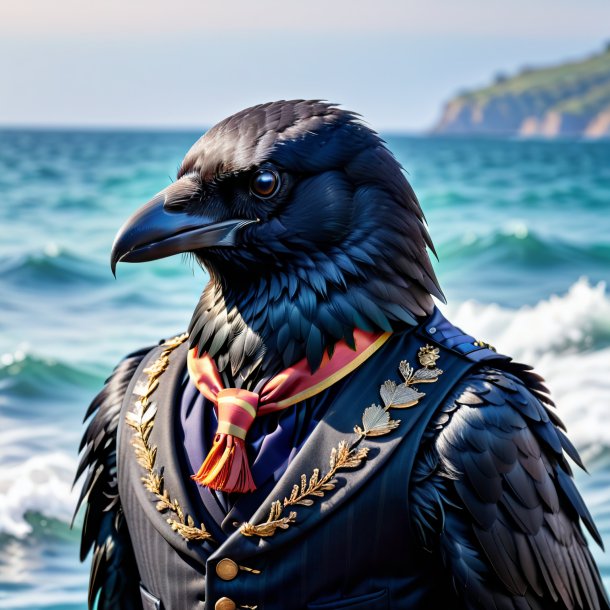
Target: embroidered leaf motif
x,y
376,422
387,391
264,530
142,420
189,532
150,389
341,457
276,511
150,413
425,375
354,458
406,370
407,397
298,493
140,387
399,396
269,527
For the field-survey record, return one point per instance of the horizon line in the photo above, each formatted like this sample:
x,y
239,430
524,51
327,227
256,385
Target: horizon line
x,y
157,127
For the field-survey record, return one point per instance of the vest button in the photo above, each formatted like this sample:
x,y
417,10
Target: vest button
x,y
224,603
227,569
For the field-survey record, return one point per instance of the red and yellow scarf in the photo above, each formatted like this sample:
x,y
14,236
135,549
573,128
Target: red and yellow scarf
x,y
226,466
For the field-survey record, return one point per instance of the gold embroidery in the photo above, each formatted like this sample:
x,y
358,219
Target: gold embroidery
x,y
428,356
342,457
486,345
376,421
141,420
274,521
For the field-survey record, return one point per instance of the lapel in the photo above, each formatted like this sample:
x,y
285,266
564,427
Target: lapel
x,y
358,390
167,462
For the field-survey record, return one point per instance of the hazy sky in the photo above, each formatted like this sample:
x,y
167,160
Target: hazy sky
x,y
192,62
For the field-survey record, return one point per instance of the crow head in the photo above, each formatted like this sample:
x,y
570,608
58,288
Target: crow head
x,y
307,227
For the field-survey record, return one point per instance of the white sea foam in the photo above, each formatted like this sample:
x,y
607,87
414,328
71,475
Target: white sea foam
x,y
559,325
42,484
567,340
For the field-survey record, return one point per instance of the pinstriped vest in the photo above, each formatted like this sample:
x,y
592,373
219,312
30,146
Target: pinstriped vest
x,y
351,548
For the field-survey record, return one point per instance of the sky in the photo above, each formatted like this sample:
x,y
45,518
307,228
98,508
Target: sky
x,y
190,63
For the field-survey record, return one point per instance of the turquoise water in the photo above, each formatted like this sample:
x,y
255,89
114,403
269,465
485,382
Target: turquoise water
x,y
522,231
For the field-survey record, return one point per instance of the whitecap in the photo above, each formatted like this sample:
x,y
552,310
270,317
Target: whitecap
x,y
567,340
573,322
41,484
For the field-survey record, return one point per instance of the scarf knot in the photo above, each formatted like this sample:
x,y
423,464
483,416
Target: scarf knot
x,y
236,411
226,465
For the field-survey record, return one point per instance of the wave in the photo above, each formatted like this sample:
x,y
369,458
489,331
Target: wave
x,y
51,265
42,402
576,321
518,245
27,375
53,269
567,340
41,484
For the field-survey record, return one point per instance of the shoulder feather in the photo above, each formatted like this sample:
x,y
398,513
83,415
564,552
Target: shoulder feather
x,y
493,489
114,580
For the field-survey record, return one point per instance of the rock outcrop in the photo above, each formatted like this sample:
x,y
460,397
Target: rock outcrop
x,y
571,99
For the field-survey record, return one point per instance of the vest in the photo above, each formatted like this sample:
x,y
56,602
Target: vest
x,y
350,545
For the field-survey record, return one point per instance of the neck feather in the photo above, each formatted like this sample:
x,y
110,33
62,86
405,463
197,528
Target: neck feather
x,y
253,330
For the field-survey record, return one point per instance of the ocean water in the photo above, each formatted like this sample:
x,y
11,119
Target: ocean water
x,y
522,230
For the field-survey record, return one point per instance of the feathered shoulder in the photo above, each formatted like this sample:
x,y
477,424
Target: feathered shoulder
x,y
493,492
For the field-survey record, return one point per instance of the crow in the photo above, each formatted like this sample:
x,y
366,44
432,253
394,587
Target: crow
x,y
317,253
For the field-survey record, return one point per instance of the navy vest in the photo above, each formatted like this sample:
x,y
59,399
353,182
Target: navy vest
x,y
351,548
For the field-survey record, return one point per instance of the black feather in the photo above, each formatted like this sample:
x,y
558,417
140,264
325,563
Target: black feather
x,y
114,577
494,469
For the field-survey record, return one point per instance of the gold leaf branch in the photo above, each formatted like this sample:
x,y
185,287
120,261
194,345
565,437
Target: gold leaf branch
x,y
342,457
274,522
376,421
142,420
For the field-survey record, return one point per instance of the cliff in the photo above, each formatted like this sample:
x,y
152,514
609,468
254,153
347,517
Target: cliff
x,y
571,99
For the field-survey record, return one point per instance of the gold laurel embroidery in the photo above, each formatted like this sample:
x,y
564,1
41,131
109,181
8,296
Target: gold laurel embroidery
x,y
141,420
342,457
376,421
274,521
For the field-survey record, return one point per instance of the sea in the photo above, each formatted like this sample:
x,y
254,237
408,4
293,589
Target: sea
x,y
522,231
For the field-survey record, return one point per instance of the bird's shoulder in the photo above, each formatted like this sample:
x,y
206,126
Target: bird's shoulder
x,y
493,488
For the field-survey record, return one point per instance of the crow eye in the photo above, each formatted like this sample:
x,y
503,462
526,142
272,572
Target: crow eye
x,y
264,183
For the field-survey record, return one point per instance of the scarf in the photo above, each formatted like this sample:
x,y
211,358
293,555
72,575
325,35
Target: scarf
x,y
226,466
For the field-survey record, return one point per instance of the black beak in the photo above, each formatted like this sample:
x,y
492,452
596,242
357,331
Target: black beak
x,y
156,232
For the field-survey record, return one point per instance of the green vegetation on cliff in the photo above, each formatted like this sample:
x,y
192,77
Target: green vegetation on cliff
x,y
569,99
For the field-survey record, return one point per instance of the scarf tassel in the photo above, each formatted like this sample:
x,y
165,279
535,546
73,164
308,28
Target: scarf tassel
x,y
226,466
